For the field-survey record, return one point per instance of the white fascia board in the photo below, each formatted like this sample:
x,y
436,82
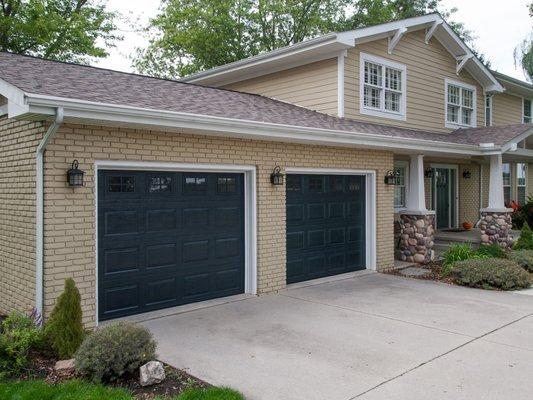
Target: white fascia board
x,y
98,113
321,44
511,144
16,105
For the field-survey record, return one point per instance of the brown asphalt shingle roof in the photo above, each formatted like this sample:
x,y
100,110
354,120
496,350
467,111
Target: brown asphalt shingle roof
x,y
44,77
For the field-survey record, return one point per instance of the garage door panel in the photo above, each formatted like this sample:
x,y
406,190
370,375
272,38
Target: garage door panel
x,y
325,225
183,241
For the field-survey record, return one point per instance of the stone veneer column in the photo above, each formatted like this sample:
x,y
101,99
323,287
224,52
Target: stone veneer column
x,y
417,237
495,228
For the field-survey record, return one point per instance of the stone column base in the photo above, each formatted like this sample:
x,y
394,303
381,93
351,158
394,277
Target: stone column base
x,y
417,233
496,227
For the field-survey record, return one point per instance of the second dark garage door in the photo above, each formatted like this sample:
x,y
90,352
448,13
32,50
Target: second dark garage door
x,y
325,225
168,238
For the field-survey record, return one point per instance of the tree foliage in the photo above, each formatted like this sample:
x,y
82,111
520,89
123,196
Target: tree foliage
x,y
63,30
523,53
191,35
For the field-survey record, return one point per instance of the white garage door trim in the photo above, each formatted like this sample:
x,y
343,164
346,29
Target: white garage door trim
x,y
250,206
370,206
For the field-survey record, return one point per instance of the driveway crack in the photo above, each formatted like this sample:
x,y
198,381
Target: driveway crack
x,y
439,356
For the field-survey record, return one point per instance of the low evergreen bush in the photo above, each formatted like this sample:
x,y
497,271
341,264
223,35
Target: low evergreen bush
x,y
524,258
110,352
525,241
65,328
490,273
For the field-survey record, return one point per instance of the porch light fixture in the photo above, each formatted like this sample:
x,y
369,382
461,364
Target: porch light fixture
x,y
467,174
276,177
75,175
390,178
428,173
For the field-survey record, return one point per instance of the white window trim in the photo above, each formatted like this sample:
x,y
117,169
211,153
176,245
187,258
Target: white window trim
x,y
402,115
453,125
404,164
530,110
370,209
490,96
526,172
250,206
511,177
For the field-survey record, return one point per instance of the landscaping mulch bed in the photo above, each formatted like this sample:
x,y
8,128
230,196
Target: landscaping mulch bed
x,y
435,273
176,381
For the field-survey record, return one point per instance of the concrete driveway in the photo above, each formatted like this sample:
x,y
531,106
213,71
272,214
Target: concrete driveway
x,y
368,336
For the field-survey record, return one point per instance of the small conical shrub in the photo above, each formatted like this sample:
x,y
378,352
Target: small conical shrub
x,y
525,241
65,329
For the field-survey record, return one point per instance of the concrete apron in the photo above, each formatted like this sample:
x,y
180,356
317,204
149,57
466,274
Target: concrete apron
x,y
369,336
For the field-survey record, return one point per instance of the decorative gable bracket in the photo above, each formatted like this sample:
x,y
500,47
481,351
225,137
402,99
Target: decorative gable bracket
x,y
461,61
396,38
432,29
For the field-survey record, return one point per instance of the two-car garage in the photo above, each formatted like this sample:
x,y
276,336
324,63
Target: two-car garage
x,y
168,238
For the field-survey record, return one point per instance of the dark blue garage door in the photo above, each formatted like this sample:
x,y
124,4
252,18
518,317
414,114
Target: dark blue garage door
x,y
325,225
168,238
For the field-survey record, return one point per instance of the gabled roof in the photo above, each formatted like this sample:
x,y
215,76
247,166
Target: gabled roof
x,y
514,86
330,45
35,88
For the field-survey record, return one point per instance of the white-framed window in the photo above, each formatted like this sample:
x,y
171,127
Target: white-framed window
x,y
382,87
488,110
460,104
521,183
527,111
506,171
401,170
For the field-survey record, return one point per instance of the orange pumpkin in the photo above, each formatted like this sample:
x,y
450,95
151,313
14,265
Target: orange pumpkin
x,y
468,225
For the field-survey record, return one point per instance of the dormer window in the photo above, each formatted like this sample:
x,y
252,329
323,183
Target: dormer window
x,y
460,105
382,88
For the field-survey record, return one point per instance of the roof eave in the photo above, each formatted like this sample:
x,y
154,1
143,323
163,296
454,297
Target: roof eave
x,y
80,111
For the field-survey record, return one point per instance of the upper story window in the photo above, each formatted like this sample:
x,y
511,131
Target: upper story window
x,y
488,110
527,111
460,104
382,88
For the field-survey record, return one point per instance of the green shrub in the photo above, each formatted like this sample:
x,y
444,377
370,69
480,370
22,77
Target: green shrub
x,y
492,251
211,394
65,329
109,352
524,258
19,335
458,252
490,273
525,241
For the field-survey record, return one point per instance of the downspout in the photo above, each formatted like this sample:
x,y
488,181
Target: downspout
x,y
39,225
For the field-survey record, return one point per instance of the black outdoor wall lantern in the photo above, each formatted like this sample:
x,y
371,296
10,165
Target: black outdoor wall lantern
x,y
467,174
428,173
75,175
276,177
390,178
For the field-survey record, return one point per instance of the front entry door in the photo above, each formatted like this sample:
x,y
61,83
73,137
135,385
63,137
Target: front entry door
x,y
444,197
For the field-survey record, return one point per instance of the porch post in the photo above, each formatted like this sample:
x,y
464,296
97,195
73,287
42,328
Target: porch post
x,y
496,221
417,223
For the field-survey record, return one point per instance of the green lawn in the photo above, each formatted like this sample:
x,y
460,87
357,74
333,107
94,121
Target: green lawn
x,y
80,390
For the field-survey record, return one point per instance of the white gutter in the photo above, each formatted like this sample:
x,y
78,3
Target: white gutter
x,y
39,229
84,111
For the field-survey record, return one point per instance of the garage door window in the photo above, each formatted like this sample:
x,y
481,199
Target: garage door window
x,y
159,184
121,184
316,184
337,183
195,184
294,183
226,185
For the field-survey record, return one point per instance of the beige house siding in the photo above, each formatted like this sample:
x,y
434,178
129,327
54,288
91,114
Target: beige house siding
x,y
506,109
427,67
18,142
70,214
312,86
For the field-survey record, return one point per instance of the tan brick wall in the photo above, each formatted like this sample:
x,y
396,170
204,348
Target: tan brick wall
x,y
18,142
70,214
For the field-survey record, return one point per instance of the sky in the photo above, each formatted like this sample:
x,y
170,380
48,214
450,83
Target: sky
x,y
498,26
